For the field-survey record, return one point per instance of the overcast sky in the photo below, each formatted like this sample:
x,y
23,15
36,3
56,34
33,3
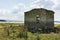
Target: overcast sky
x,y
14,9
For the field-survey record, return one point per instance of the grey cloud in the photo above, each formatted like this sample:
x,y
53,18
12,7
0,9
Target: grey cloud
x,y
47,4
57,7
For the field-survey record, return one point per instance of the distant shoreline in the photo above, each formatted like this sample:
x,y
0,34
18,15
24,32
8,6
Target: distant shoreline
x,y
11,22
55,22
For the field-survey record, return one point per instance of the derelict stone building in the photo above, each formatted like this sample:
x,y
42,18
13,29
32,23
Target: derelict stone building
x,y
39,19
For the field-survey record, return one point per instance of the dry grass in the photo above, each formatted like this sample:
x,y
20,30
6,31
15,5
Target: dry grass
x,y
30,35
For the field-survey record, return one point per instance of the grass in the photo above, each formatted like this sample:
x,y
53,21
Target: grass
x,y
34,37
43,36
57,25
18,27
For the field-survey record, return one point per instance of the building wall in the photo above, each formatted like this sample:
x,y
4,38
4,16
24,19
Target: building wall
x,y
46,19
50,19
